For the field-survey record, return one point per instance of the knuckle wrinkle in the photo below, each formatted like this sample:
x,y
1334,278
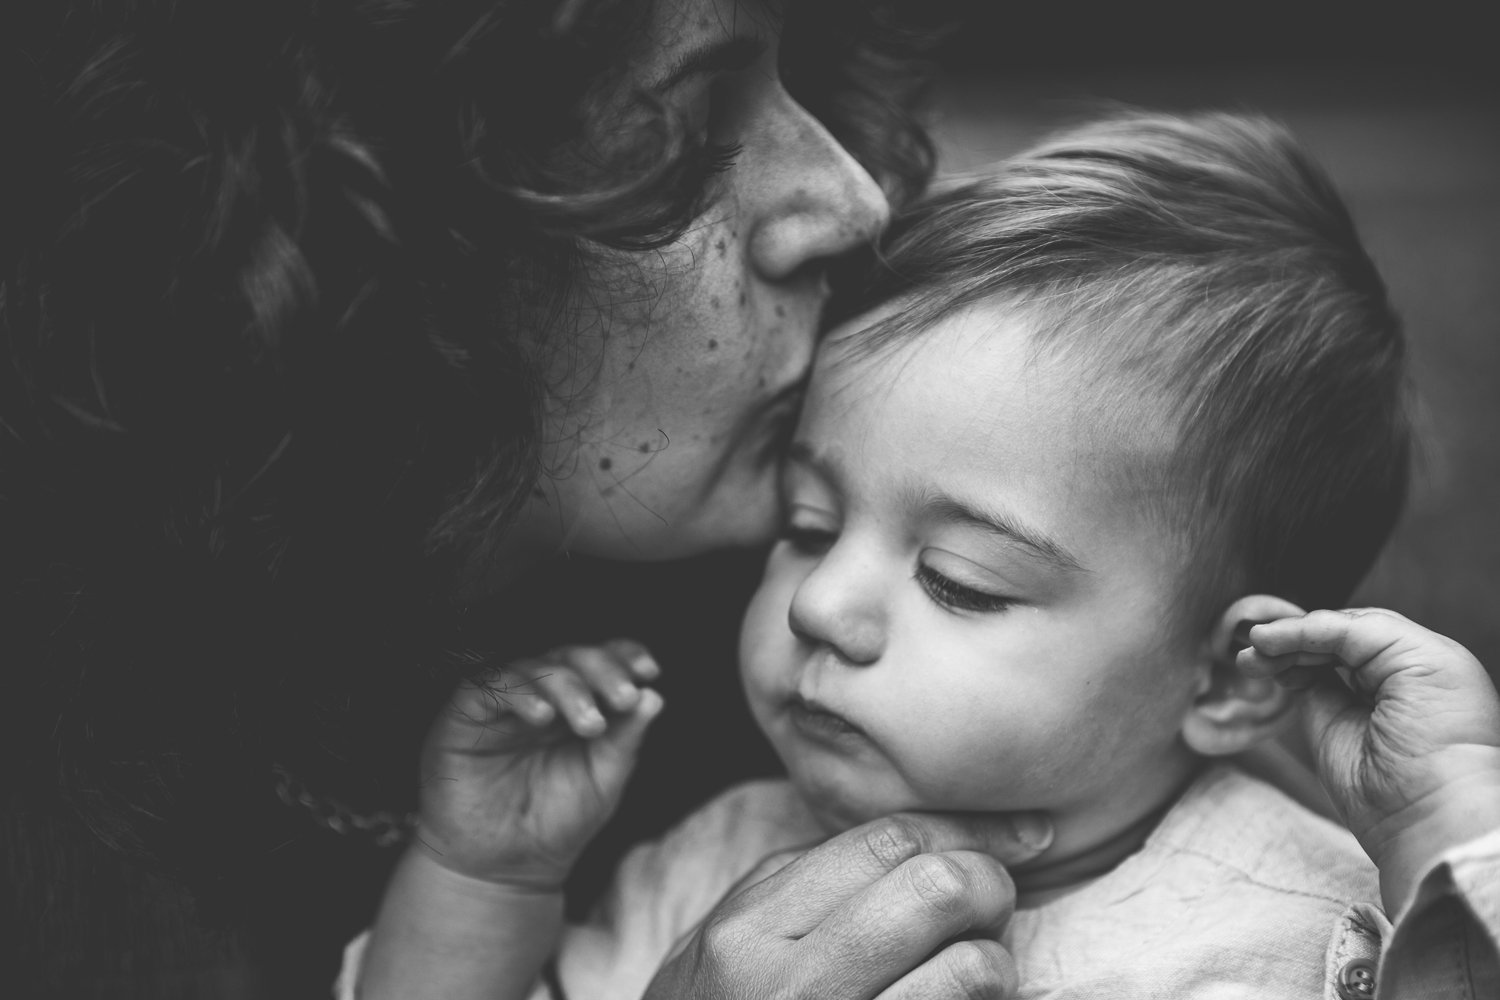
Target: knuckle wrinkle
x,y
893,840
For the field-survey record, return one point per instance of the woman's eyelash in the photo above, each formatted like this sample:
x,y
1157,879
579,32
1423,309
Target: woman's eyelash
x,y
956,596
719,157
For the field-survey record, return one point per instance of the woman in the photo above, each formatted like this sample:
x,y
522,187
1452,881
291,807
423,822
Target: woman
x,y
327,325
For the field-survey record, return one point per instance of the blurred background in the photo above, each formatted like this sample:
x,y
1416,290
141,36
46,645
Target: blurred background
x,y
1401,106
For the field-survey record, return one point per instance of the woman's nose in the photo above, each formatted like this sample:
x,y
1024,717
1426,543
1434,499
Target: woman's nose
x,y
838,606
812,198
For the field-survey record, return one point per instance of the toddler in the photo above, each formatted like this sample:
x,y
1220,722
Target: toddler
x,y
1108,420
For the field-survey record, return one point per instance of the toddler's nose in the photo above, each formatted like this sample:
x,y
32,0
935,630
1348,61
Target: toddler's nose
x,y
839,605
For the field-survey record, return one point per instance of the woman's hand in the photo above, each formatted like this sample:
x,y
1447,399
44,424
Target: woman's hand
x,y
1409,749
903,907
525,764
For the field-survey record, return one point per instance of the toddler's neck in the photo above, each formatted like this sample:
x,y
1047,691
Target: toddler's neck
x,y
1050,879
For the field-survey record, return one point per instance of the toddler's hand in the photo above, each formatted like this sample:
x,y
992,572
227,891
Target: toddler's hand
x,y
1409,749
524,766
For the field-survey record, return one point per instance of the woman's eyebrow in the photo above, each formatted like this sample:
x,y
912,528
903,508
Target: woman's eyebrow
x,y
724,56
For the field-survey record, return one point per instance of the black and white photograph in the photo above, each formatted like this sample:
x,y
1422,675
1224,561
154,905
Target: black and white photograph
x,y
746,499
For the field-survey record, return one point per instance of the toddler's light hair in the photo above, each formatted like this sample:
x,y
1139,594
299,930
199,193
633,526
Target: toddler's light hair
x,y
1206,265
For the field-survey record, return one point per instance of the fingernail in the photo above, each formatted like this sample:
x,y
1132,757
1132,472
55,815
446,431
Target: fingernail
x,y
1033,830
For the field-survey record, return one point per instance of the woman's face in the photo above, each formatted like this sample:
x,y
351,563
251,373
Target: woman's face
x,y
673,399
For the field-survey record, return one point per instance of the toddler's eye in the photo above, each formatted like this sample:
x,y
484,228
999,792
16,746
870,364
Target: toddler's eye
x,y
809,530
808,539
955,596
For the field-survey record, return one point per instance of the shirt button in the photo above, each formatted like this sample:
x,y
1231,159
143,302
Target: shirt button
x,y
1357,980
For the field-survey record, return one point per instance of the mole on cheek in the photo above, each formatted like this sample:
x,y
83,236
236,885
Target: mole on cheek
x,y
714,301
742,300
780,311
722,247
606,464
713,345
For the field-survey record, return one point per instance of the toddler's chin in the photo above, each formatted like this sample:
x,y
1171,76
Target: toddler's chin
x,y
836,813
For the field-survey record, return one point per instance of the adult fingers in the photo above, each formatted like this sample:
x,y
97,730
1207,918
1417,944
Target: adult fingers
x,y
807,891
976,968
905,916
766,867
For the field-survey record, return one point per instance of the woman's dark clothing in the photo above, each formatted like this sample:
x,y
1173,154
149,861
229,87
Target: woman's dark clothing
x,y
87,923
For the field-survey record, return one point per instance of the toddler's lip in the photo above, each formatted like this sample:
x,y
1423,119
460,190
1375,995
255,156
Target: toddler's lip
x,y
820,722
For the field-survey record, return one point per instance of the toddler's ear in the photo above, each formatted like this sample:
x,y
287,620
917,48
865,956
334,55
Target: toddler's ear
x,y
1232,711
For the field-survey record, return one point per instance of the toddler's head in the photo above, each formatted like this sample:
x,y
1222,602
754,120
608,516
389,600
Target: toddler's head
x,y
1105,404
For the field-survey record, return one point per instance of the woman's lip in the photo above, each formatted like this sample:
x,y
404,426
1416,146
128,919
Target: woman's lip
x,y
821,723
779,418
789,396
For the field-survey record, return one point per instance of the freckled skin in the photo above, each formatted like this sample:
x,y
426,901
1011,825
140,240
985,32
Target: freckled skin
x,y
637,368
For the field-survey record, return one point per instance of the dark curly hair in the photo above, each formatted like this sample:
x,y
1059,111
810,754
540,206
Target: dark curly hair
x,y
263,270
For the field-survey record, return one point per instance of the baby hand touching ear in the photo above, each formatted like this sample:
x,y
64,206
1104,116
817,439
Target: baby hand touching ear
x,y
1407,743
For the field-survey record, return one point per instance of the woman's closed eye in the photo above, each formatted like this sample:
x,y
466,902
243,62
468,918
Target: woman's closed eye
x,y
714,116
955,596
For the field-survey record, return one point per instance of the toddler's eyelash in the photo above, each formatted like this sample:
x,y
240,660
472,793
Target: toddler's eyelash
x,y
956,596
809,540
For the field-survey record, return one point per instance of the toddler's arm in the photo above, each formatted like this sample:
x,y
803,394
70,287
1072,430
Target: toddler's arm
x,y
1409,749
519,771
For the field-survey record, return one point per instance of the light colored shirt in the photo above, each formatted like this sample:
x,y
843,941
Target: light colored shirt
x,y
1238,892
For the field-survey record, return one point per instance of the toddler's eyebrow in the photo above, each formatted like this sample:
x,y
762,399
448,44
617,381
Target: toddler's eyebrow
x,y
1036,543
